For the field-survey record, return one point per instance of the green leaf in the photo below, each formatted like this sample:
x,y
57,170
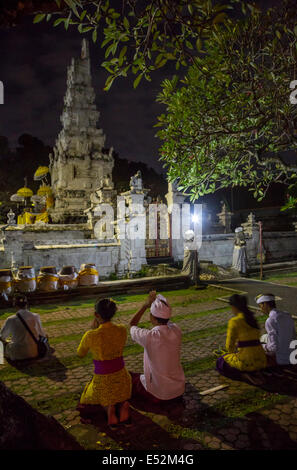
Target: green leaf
x,y
219,18
85,29
39,17
94,35
109,82
110,49
199,44
59,21
83,14
72,5
137,80
122,55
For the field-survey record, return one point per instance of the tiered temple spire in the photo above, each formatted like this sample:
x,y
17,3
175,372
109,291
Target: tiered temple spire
x,y
79,162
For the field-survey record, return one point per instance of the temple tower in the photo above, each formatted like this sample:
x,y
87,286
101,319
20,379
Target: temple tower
x,y
79,162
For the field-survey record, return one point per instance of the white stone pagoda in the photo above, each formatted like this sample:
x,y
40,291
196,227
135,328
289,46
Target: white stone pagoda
x,y
79,163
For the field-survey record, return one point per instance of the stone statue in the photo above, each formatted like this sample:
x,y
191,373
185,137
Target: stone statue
x,y
96,198
107,183
136,182
11,218
225,217
191,266
239,262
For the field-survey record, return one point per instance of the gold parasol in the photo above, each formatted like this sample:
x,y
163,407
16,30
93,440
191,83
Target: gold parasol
x,y
40,173
25,192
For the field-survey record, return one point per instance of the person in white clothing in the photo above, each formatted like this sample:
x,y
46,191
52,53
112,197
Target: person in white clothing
x,y
280,331
18,343
163,378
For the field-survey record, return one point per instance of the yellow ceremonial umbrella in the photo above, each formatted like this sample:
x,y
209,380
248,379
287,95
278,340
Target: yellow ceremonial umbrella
x,y
44,190
25,192
40,173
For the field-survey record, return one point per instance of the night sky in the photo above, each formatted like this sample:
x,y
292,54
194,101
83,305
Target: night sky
x,y
34,59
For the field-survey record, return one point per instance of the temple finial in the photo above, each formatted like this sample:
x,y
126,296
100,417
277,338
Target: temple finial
x,y
85,49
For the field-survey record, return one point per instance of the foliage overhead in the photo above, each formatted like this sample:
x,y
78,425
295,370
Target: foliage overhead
x,y
141,36
229,122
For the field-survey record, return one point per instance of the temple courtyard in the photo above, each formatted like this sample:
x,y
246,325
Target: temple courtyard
x,y
238,416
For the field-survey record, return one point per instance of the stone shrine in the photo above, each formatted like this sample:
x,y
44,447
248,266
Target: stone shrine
x,y
79,161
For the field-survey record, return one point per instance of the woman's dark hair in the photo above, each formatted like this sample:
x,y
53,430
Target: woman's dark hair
x,y
21,301
106,308
240,302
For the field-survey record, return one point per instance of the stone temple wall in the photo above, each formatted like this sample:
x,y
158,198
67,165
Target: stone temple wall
x,y
58,245
279,246
58,248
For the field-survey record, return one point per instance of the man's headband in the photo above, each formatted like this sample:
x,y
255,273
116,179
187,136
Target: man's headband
x,y
264,298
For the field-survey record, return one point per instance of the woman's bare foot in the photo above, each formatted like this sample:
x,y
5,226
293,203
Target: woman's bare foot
x,y
111,416
124,411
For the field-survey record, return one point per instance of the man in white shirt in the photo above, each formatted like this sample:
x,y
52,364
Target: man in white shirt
x,y
20,344
163,377
280,328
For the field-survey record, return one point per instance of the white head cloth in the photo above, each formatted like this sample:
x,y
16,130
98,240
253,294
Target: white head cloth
x,y
264,298
189,235
160,307
238,229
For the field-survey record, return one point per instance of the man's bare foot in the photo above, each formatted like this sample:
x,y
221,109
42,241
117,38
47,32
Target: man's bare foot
x,y
124,411
111,416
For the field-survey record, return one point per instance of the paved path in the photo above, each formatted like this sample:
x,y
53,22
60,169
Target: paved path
x,y
240,416
287,294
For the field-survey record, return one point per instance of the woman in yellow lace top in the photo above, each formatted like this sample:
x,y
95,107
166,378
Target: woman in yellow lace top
x,y
111,383
244,350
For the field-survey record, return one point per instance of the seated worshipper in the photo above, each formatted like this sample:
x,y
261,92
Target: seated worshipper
x,y
110,386
18,342
163,378
280,328
244,351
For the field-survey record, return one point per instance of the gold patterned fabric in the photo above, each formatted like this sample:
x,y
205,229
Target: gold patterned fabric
x,y
247,358
26,218
42,217
105,343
